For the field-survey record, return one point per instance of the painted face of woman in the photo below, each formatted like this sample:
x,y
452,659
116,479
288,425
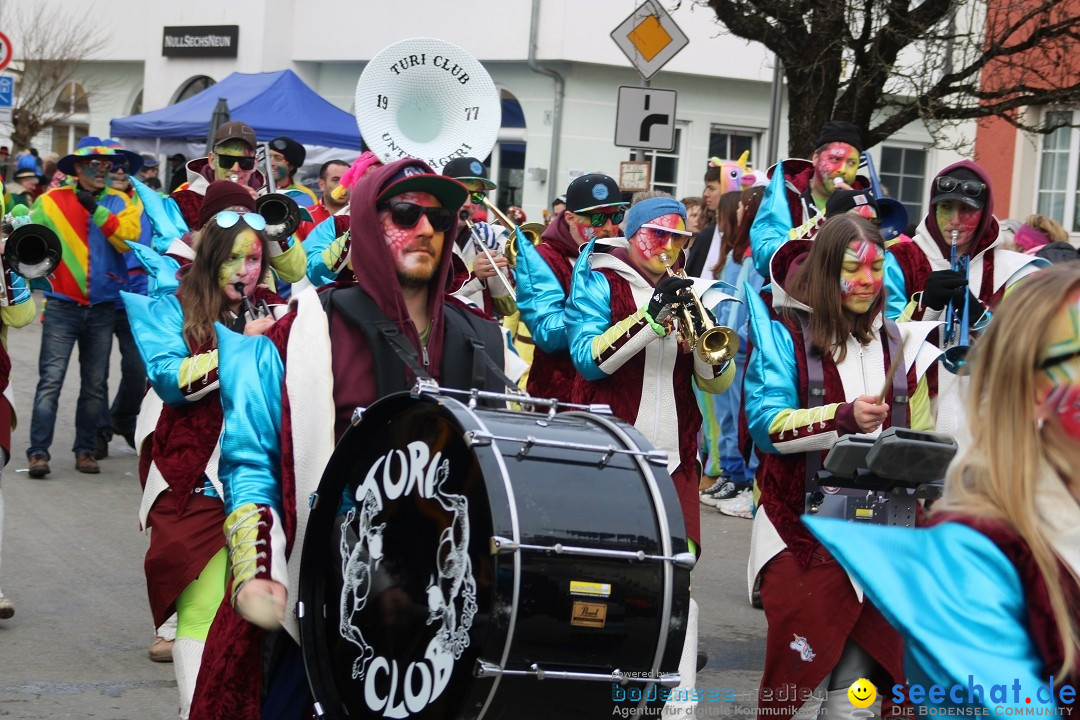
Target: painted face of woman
x,y
649,243
1060,380
954,215
242,266
861,275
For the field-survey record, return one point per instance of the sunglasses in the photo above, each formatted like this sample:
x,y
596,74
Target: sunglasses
x,y
599,219
406,215
477,198
246,162
227,218
971,188
99,164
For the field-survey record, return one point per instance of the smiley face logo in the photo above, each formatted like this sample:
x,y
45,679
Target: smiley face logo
x,y
862,693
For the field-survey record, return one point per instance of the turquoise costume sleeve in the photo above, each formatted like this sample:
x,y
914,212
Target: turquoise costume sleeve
x,y
770,384
250,463
541,300
954,597
318,240
772,224
588,314
896,296
165,216
161,270
157,326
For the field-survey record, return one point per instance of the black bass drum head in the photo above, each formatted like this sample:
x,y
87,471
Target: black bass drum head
x,y
396,574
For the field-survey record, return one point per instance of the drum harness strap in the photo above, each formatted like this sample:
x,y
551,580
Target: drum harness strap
x,y
361,311
815,386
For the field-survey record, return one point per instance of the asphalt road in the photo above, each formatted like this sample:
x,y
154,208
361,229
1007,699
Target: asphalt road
x,y
72,563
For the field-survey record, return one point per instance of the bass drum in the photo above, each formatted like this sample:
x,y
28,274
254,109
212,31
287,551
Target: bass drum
x,y
475,563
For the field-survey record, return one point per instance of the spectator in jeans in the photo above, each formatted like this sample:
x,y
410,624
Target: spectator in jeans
x,y
93,223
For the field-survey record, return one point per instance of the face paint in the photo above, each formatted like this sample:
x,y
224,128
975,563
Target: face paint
x,y
1060,370
836,160
648,244
234,148
582,230
956,215
861,275
242,265
414,251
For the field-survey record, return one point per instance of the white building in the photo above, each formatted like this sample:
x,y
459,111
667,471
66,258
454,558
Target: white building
x,y
723,83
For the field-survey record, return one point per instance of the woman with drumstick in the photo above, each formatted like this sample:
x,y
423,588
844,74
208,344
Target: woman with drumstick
x,y
186,564
1000,567
819,366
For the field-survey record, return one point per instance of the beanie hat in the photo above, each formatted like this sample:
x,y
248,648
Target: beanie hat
x,y
222,195
648,210
840,131
293,152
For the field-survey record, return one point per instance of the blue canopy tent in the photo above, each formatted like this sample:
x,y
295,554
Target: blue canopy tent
x,y
272,103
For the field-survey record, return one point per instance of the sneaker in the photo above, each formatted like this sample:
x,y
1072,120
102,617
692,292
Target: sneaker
x,y
742,505
7,608
706,482
722,489
161,650
39,466
85,463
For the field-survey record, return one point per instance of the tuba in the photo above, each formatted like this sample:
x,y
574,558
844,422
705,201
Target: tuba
x,y
714,344
32,251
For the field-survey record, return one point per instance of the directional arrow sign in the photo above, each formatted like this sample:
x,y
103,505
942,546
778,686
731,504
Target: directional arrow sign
x,y
645,118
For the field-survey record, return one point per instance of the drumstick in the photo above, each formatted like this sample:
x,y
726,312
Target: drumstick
x,y
897,361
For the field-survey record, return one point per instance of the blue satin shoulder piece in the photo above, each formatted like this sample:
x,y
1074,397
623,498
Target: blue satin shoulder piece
x,y
161,270
588,314
956,599
771,224
541,300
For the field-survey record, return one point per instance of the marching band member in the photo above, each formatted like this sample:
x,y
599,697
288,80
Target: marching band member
x,y
233,158
1010,610
815,372
923,283
330,203
17,310
594,210
616,327
332,353
186,564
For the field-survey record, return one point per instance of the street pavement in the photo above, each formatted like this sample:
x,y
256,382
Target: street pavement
x,y
72,563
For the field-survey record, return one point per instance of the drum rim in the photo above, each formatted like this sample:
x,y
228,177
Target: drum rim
x,y
665,534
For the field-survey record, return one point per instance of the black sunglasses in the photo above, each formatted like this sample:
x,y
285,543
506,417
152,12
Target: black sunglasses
x,y
598,219
971,188
244,161
406,215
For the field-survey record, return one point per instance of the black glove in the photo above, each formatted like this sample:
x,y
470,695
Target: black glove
x,y
943,286
666,293
87,200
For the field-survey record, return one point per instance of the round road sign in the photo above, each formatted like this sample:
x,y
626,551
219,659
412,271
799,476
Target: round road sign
x,y
5,51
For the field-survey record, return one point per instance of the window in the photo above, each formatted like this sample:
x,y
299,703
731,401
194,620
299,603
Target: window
x,y
72,99
136,105
728,144
903,177
192,87
1052,198
665,166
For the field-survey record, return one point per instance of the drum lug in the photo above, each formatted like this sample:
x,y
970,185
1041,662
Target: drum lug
x,y
503,546
357,415
313,500
478,439
485,669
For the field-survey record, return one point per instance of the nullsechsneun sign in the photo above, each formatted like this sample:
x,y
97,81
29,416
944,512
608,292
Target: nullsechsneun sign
x,y
201,41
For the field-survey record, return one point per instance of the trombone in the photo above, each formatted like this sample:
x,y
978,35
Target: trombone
x,y
281,211
532,231
714,344
31,250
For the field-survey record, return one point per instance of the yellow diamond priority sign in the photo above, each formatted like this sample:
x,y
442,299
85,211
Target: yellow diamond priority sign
x,y
649,38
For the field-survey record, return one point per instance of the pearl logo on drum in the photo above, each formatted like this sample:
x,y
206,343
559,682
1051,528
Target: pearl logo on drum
x,y
390,688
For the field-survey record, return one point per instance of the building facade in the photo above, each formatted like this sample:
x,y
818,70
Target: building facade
x,y
723,83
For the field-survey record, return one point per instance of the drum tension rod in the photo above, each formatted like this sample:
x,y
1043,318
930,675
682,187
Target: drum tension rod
x,y
485,669
504,546
475,437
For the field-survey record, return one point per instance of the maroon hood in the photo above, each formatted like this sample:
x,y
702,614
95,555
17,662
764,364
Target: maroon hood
x,y
557,234
375,270
987,232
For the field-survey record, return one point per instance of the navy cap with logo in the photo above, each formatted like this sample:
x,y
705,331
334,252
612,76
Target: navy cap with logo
x,y
592,191
466,169
416,176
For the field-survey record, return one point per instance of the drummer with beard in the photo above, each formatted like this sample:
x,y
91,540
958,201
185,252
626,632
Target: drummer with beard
x,y
594,210
335,351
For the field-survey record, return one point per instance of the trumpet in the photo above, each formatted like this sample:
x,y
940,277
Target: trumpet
x,y
714,344
955,357
531,231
